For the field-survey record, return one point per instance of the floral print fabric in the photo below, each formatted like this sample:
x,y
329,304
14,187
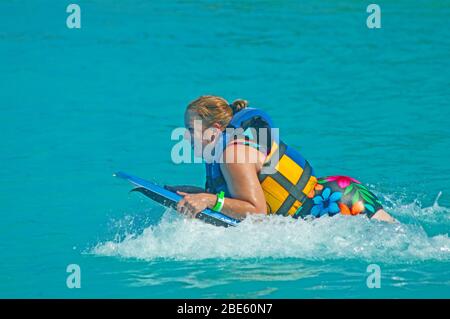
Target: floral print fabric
x,y
339,195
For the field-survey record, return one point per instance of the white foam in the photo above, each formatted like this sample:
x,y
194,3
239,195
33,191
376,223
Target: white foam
x,y
432,215
325,238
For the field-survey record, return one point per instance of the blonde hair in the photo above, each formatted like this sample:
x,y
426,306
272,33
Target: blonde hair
x,y
215,109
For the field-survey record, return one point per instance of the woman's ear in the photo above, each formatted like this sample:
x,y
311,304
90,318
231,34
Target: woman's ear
x,y
217,130
217,126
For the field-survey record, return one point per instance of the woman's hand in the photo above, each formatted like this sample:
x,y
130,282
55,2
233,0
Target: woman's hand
x,y
192,204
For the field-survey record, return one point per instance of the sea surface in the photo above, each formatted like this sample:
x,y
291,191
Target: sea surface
x,y
76,105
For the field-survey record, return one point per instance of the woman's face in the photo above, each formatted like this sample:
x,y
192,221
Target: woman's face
x,y
198,133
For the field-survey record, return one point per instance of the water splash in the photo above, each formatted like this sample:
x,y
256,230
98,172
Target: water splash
x,y
435,219
327,238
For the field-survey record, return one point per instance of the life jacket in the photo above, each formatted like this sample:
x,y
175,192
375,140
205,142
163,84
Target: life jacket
x,y
286,186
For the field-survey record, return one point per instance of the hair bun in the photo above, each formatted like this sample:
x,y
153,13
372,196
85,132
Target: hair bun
x,y
238,105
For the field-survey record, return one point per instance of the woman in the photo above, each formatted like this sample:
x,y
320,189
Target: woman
x,y
246,175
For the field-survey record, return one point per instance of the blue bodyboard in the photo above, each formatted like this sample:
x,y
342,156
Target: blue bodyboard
x,y
168,198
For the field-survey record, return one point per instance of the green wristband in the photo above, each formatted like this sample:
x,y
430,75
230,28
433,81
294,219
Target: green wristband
x,y
219,203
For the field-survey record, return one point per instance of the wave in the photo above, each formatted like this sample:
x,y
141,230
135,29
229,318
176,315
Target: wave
x,y
326,238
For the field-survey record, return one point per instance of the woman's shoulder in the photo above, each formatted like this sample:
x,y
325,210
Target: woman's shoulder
x,y
243,151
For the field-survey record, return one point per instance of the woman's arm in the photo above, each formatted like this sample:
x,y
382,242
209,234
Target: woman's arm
x,y
242,181
245,188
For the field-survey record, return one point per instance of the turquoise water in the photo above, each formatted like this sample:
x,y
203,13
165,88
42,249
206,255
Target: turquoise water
x,y
78,105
